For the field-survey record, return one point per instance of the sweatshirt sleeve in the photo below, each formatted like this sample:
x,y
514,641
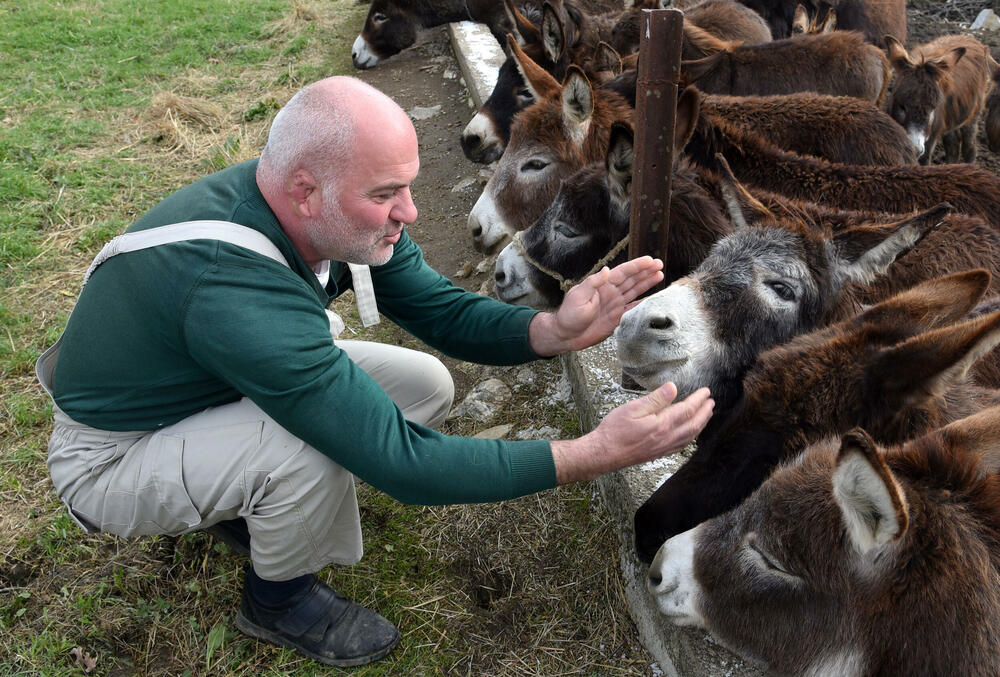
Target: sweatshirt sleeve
x,y
269,338
457,322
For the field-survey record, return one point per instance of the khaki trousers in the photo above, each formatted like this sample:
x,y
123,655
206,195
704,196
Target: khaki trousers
x,y
235,461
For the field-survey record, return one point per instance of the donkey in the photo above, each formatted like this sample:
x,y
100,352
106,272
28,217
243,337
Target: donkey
x,y
971,189
835,128
392,25
899,369
856,560
874,18
487,134
840,63
939,92
565,129
565,35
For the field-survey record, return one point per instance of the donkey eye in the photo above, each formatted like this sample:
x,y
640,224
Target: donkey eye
x,y
784,291
524,95
566,231
534,165
379,18
763,557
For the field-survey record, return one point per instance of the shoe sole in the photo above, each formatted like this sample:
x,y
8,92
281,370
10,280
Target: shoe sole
x,y
247,627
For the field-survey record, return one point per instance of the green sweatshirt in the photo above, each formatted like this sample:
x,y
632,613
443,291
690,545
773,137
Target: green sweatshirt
x,y
163,333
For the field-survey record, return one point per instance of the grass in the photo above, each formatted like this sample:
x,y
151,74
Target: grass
x,y
106,107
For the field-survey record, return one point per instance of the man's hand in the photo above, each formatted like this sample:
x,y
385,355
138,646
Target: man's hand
x,y
592,309
638,431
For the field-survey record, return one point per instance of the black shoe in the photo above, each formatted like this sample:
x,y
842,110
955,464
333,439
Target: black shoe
x,y
233,533
323,625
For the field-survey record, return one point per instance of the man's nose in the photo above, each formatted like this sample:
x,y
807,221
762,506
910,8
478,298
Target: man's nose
x,y
404,210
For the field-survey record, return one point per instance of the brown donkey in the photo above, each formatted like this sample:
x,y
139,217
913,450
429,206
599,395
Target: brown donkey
x,y
840,63
969,188
939,92
855,560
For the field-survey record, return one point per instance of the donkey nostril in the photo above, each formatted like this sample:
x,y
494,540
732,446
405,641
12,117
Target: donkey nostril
x,y
477,232
661,323
655,579
499,277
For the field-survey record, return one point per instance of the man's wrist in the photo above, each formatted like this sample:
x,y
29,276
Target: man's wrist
x,y
543,335
576,460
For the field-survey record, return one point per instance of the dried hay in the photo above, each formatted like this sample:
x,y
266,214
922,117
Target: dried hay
x,y
186,109
302,14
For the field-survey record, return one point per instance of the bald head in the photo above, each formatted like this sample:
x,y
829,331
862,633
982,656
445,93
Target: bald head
x,y
319,129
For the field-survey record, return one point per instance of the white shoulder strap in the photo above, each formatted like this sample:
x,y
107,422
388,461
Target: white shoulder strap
x,y
188,230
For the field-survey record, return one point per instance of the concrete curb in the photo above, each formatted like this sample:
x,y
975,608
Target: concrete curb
x,y
595,375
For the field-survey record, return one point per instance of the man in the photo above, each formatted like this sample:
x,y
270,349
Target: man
x,y
197,385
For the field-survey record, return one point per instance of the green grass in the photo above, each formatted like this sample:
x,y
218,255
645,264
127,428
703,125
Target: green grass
x,y
83,152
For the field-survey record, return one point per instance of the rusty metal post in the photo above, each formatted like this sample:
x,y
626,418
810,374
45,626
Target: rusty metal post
x,y
655,111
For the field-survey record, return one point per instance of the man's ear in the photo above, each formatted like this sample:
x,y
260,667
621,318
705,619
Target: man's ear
x,y
302,190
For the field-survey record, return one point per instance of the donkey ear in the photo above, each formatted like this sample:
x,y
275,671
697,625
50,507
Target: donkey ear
x,y
977,434
607,59
800,20
739,202
553,33
948,61
619,162
871,501
577,98
524,31
897,53
696,69
931,363
538,81
933,303
686,117
830,22
866,252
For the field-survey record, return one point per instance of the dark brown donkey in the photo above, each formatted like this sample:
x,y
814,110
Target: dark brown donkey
x,y
857,560
840,63
938,94
899,370
754,160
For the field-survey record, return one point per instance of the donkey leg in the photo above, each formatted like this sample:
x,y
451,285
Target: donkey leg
x,y
969,144
951,140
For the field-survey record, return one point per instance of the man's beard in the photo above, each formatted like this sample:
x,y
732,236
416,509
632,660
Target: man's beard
x,y
334,236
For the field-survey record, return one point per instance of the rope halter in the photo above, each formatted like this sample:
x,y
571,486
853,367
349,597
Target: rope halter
x,y
565,284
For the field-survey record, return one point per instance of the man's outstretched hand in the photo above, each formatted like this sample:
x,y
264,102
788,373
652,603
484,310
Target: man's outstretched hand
x,y
592,309
638,431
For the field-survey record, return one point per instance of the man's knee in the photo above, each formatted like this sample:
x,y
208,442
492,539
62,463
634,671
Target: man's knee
x,y
435,392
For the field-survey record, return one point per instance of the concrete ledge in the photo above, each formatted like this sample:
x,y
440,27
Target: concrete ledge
x,y
594,375
479,58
